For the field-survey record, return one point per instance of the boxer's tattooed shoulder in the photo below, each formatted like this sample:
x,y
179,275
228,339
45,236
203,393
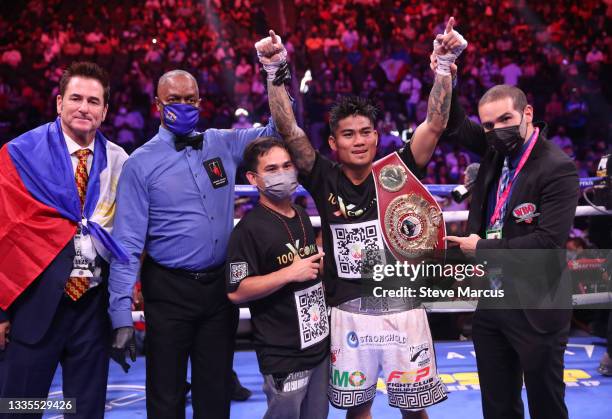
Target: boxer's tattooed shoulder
x,y
301,150
438,107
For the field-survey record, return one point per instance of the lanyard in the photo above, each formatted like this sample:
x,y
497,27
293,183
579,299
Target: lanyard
x,y
271,211
501,200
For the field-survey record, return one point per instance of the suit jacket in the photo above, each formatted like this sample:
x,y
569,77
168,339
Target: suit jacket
x,y
32,313
534,274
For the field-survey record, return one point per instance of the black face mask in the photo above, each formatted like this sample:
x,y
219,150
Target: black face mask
x,y
506,141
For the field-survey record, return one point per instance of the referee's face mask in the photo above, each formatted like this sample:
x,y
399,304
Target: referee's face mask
x,y
178,102
180,118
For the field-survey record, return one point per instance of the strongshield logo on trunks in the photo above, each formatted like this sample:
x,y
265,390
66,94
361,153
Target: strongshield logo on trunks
x,y
383,339
352,340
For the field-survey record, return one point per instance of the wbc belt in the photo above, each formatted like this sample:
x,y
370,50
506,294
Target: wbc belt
x,y
410,217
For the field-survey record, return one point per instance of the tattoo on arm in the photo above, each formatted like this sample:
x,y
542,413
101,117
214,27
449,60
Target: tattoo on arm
x,y
299,145
438,107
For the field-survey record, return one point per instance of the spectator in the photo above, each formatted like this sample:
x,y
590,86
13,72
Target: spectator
x,y
488,72
594,56
561,139
576,109
554,109
342,44
410,87
243,69
349,38
11,57
511,72
388,141
242,119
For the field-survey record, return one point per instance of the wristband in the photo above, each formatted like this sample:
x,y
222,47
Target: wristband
x,y
272,68
444,64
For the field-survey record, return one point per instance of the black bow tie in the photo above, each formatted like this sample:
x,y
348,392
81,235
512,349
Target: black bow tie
x,y
195,141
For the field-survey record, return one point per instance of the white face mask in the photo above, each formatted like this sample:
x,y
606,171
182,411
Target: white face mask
x,y
279,186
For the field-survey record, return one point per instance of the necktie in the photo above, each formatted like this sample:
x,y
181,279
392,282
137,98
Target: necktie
x,y
78,285
495,276
503,184
195,141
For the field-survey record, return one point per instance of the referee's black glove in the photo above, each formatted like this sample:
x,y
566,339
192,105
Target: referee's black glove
x,y
123,341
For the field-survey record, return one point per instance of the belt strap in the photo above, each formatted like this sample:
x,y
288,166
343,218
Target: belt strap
x,y
378,305
206,275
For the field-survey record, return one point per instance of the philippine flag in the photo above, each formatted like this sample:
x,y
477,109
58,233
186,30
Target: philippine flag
x,y
40,208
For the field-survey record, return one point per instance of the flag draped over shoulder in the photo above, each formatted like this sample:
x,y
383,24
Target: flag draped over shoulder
x,y
40,207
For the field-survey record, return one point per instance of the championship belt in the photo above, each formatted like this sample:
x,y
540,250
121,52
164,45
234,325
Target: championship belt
x,y
410,217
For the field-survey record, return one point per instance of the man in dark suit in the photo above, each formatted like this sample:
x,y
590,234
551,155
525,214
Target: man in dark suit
x,y
57,186
47,328
523,206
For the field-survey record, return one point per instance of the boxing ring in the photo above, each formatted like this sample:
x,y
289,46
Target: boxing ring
x,y
444,191
587,392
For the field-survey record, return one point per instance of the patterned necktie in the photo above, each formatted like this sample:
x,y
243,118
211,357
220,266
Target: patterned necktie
x,y
495,276
78,285
80,176
504,179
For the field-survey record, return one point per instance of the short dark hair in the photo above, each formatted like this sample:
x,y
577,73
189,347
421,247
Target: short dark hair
x,y
351,106
258,148
503,91
86,70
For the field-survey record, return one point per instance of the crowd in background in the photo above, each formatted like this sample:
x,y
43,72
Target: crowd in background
x,y
557,52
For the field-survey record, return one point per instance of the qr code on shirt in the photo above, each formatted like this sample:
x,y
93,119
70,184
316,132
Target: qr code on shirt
x,y
357,249
312,315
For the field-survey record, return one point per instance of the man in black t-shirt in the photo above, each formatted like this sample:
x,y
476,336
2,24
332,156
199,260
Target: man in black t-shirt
x,y
367,334
273,264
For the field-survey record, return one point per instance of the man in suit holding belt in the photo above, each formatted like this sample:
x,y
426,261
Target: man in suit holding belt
x,y
524,197
57,188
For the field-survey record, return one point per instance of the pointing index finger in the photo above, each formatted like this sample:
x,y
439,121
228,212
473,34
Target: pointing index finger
x,y
453,238
449,25
273,36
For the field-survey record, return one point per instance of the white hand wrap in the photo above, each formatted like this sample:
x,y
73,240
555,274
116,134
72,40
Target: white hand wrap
x,y
272,66
445,61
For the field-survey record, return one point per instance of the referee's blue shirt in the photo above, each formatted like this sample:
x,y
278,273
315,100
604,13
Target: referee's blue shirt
x,y
167,205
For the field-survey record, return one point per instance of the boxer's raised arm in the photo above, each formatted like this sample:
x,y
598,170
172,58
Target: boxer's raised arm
x,y
426,135
447,47
302,152
272,55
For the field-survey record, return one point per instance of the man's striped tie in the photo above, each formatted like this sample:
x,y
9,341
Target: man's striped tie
x,y
78,285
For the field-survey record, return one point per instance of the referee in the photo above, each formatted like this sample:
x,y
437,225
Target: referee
x,y
175,201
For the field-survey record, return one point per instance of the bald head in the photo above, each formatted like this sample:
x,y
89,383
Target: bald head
x,y
173,77
177,86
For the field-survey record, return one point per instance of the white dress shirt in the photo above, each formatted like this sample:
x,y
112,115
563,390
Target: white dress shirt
x,y
73,147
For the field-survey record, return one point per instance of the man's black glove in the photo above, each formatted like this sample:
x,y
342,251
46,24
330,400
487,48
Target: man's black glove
x,y
123,341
